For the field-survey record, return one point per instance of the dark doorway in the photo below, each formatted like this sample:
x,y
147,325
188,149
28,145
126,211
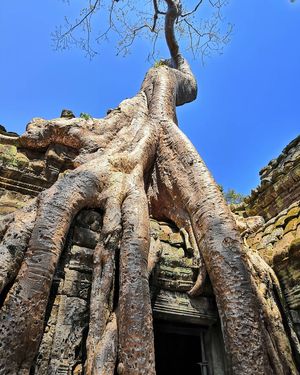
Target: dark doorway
x,y
180,350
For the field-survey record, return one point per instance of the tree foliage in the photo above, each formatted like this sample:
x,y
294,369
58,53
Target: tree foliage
x,y
233,197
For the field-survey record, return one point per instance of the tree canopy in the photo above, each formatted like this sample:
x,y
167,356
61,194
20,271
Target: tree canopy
x,y
200,26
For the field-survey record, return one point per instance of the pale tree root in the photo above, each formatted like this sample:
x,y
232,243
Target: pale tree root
x,y
107,349
222,249
102,337
155,251
16,234
22,315
274,313
136,342
198,287
90,185
101,307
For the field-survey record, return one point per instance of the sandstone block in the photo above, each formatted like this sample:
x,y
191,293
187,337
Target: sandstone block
x,y
85,237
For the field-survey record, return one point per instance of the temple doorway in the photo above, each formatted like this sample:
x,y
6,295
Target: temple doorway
x,y
180,349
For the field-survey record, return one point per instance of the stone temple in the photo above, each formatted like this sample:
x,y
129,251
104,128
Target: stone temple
x,y
188,336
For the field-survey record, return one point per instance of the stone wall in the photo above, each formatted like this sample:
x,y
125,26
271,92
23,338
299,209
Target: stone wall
x,y
277,199
277,234
280,184
24,173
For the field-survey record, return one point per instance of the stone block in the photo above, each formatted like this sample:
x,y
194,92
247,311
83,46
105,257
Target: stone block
x,y
293,212
268,229
283,244
81,258
166,228
257,237
163,236
76,284
173,255
90,219
177,306
291,225
176,239
295,316
71,322
85,237
154,225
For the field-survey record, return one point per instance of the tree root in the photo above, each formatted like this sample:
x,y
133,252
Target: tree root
x,y
16,233
102,326
107,349
220,244
136,344
274,313
133,159
22,314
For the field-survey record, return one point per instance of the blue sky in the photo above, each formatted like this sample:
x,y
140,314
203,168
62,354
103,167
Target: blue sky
x,y
248,107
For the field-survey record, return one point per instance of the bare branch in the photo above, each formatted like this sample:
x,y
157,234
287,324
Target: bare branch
x,y
129,20
194,10
83,19
156,13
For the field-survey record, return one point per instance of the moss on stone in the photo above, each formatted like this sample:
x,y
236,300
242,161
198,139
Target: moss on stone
x,y
10,157
177,273
21,160
291,225
280,222
293,212
7,152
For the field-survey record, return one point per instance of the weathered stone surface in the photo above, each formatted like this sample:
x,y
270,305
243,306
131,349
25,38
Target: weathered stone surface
x,y
85,237
275,238
3,131
11,201
176,270
176,239
29,171
287,266
62,347
280,185
178,306
61,350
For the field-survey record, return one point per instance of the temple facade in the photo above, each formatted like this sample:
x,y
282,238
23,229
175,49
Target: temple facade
x,y
187,330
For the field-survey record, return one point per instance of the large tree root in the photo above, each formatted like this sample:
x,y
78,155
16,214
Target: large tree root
x,y
136,348
102,338
16,233
108,183
275,315
22,314
223,252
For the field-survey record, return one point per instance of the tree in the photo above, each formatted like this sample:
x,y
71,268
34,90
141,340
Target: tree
x,y
132,163
232,197
126,21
